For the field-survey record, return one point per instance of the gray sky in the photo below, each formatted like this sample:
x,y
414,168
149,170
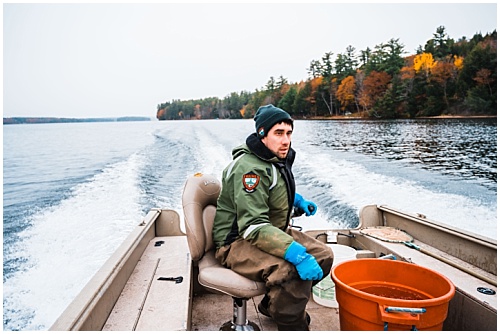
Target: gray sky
x,y
96,60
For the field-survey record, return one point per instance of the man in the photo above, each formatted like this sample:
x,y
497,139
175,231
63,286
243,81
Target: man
x,y
251,231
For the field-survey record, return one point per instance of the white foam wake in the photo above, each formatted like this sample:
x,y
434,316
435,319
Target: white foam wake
x,y
68,243
356,186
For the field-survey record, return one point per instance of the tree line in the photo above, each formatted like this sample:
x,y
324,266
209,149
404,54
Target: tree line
x,y
443,77
39,120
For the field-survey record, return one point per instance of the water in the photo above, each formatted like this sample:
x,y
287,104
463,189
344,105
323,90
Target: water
x,y
392,291
73,192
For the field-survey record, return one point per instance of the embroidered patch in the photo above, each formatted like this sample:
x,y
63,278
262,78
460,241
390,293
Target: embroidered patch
x,y
250,181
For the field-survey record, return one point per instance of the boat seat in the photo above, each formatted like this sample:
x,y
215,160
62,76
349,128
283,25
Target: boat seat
x,y
199,202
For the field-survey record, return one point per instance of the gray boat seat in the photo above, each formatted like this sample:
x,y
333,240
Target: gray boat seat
x,y
199,202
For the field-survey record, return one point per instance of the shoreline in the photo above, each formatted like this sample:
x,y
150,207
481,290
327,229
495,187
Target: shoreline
x,y
356,118
48,120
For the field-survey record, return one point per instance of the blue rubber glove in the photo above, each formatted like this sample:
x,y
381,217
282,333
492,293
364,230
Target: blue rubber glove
x,y
306,264
308,207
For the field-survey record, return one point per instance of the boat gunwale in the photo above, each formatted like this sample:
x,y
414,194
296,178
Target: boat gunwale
x,y
469,235
78,314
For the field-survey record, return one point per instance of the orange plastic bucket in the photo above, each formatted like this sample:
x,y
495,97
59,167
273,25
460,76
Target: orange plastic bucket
x,y
377,294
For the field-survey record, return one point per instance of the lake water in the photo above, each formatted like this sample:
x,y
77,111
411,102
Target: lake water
x,y
73,192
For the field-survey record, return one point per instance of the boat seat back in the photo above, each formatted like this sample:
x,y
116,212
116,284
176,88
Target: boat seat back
x,y
199,202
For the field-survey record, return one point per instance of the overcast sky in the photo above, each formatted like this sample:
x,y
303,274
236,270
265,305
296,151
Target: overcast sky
x,y
96,60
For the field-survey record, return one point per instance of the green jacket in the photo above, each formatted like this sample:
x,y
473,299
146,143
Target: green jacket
x,y
256,199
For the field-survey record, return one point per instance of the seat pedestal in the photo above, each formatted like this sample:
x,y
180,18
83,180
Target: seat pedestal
x,y
240,321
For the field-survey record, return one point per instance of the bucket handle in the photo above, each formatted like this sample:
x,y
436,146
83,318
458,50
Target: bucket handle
x,y
392,309
400,315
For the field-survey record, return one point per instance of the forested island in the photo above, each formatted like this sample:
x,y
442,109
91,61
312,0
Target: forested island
x,y
444,78
37,120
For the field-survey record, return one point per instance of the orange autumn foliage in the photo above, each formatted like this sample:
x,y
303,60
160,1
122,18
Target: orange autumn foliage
x,y
160,113
424,62
447,69
374,85
459,62
315,82
407,72
345,91
442,71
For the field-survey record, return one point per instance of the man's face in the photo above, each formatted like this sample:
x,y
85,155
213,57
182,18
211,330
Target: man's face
x,y
278,139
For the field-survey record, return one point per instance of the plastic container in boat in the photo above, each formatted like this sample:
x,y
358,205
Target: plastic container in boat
x,y
324,291
375,294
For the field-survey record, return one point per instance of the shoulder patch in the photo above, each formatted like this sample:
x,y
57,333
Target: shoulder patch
x,y
250,181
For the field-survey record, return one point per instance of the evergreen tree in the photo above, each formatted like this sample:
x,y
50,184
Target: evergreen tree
x,y
286,103
301,105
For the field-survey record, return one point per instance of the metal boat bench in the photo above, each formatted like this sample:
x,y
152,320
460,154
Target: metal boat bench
x,y
157,294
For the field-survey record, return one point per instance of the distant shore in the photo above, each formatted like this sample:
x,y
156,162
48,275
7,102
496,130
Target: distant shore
x,y
44,120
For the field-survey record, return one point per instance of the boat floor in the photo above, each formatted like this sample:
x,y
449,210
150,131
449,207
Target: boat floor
x,y
210,311
142,305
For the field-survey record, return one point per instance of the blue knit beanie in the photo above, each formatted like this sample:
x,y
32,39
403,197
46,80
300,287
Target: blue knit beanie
x,y
267,116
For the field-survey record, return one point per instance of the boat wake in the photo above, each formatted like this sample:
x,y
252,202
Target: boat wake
x,y
66,244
